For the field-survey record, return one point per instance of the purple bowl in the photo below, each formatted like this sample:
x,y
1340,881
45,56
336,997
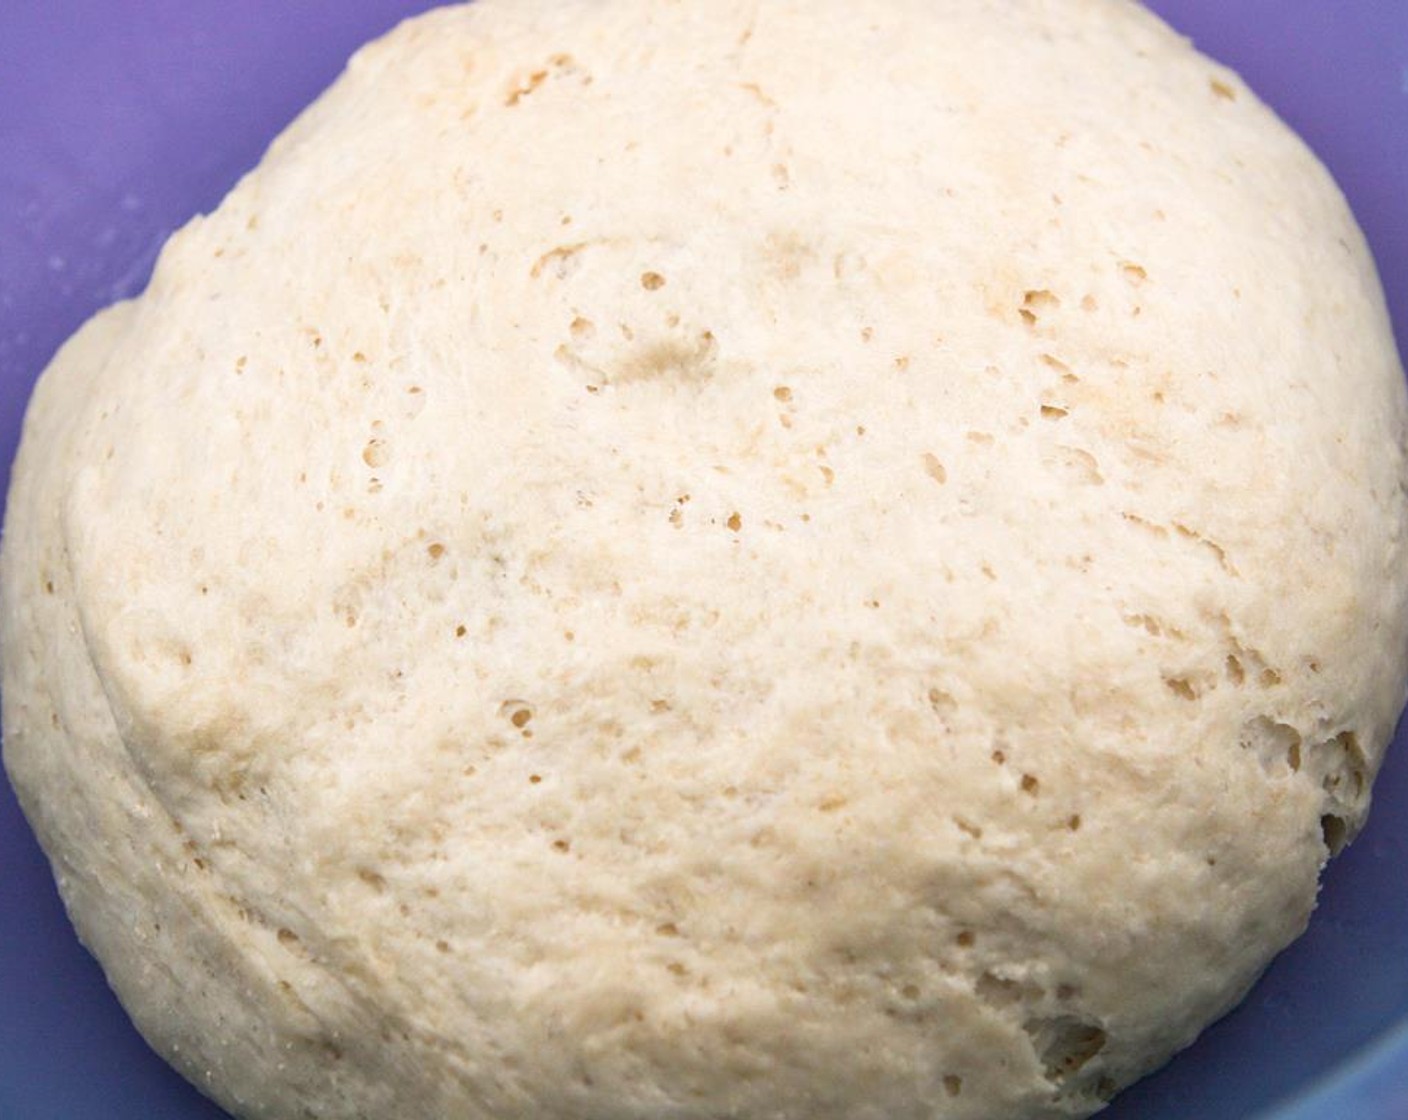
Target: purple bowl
x,y
120,121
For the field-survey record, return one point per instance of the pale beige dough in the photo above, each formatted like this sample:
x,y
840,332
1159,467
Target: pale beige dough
x,y
788,560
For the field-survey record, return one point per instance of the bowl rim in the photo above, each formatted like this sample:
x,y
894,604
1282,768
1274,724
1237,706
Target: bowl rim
x,y
1370,1084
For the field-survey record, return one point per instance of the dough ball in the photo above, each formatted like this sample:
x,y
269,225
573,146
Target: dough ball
x,y
750,558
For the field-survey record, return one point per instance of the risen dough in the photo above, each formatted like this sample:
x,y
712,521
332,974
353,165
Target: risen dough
x,y
755,559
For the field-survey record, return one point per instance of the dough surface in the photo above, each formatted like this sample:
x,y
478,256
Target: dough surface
x,y
765,559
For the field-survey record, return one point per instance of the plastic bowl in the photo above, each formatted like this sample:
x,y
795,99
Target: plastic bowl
x,y
120,121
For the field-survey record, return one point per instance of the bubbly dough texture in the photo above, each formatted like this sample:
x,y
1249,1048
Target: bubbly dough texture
x,y
760,559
